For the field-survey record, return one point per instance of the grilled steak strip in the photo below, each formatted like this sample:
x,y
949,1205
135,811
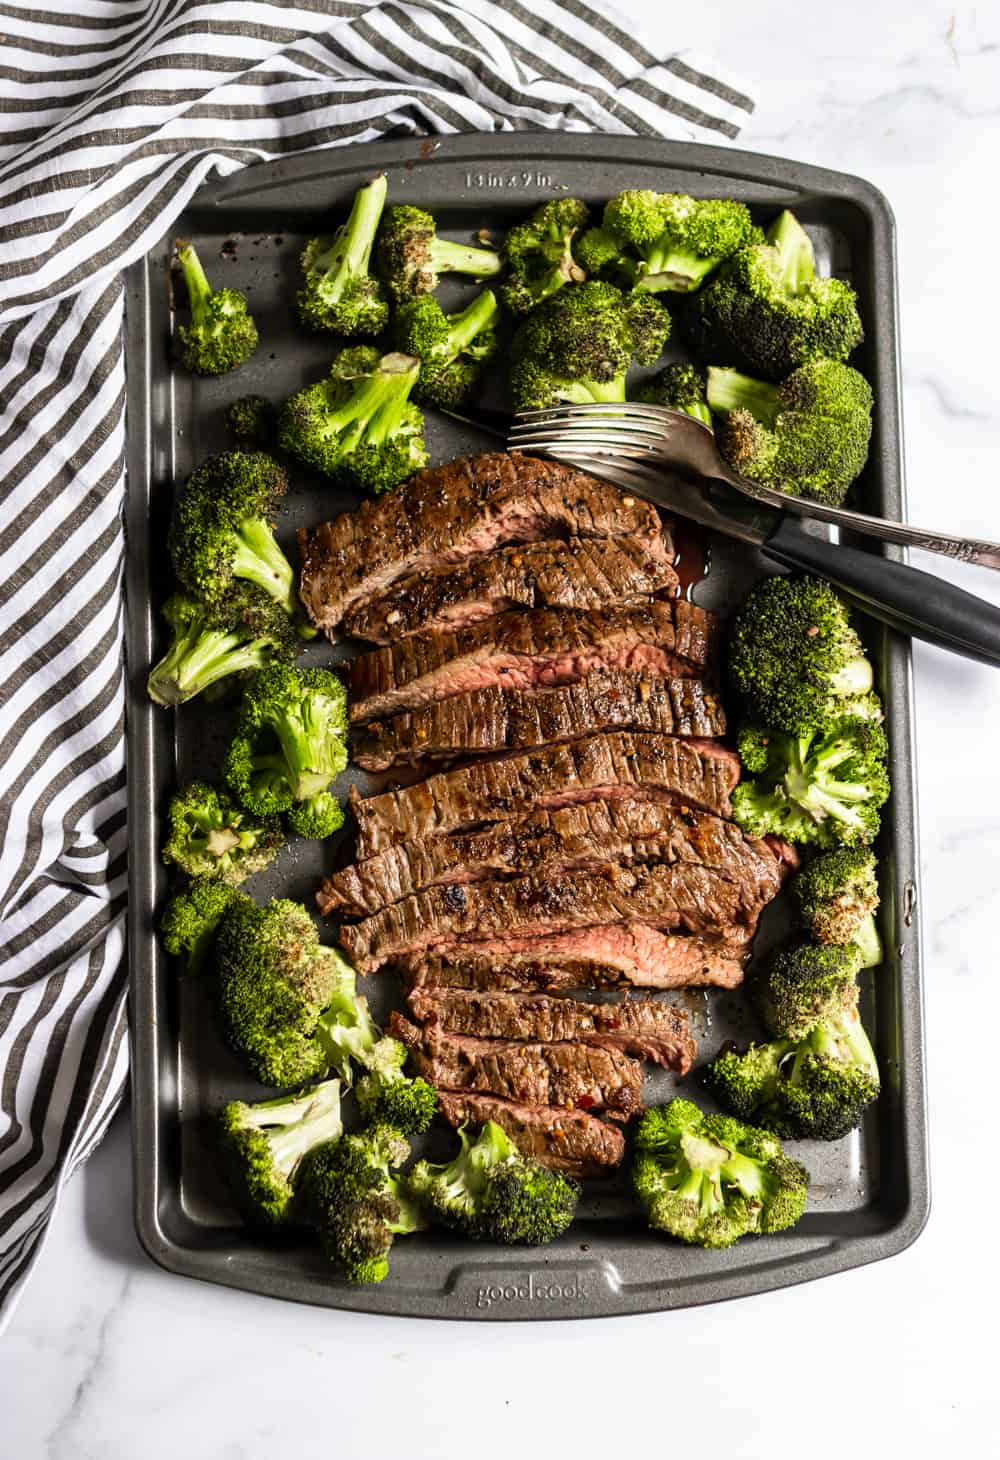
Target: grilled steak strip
x,y
608,767
681,897
539,647
580,573
646,1028
566,1140
576,838
495,719
451,514
617,955
575,1076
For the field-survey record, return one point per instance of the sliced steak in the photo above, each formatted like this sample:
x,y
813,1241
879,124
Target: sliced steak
x,y
575,1076
491,719
566,1140
453,513
616,766
616,955
530,650
576,838
579,573
685,896
646,1028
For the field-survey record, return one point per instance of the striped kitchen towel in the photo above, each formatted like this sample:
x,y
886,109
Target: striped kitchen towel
x,y
112,113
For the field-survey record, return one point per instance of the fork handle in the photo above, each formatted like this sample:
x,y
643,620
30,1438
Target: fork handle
x,y
908,600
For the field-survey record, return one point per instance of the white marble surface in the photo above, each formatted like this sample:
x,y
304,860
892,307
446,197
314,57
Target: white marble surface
x,y
109,1357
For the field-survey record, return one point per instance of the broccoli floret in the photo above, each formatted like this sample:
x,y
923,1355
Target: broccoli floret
x,y
210,836
339,293
290,743
577,346
359,424
386,1095
191,918
212,644
678,387
252,420
355,1202
318,817
804,984
710,1179
491,1192
220,537
822,788
263,1146
451,348
837,896
795,660
539,254
602,257
807,436
679,240
222,333
766,312
411,256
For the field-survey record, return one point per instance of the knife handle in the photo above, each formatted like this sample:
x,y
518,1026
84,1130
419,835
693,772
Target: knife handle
x,y
908,600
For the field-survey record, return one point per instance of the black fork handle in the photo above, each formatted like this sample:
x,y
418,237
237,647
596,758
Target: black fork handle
x,y
908,600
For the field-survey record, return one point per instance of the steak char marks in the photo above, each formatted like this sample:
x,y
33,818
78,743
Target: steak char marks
x,y
566,1140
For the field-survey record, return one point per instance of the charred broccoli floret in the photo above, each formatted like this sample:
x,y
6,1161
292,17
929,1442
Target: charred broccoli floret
x,y
209,835
411,256
766,311
678,387
212,644
252,420
222,333
805,984
264,1145
339,293
386,1095
837,895
359,424
191,918
451,348
539,254
490,1192
678,240
807,436
710,1179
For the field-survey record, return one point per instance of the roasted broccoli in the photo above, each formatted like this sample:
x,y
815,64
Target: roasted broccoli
x,y
489,1191
710,1179
222,333
795,660
386,1095
190,919
822,788
837,896
290,743
253,421
212,644
766,312
807,436
600,255
411,256
804,984
355,1202
264,1145
678,387
815,1088
340,294
539,254
678,240
577,346
451,348
359,424
211,836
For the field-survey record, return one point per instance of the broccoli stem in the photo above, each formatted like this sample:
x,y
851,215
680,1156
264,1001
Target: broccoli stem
x,y
673,269
795,251
459,258
469,322
199,658
869,942
259,559
729,390
195,278
386,391
584,392
350,251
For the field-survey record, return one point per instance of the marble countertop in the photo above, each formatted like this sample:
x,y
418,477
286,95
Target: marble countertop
x,y
109,1357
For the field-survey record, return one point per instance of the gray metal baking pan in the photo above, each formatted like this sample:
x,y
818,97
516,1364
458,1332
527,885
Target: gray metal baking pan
x,y
869,1197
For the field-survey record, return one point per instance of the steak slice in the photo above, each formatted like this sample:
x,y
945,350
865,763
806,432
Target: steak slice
x,y
617,955
579,573
542,646
646,1028
616,766
566,1140
575,1076
496,719
576,838
685,896
451,514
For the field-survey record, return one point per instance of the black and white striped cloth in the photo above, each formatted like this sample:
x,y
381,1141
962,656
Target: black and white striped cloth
x,y
112,113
